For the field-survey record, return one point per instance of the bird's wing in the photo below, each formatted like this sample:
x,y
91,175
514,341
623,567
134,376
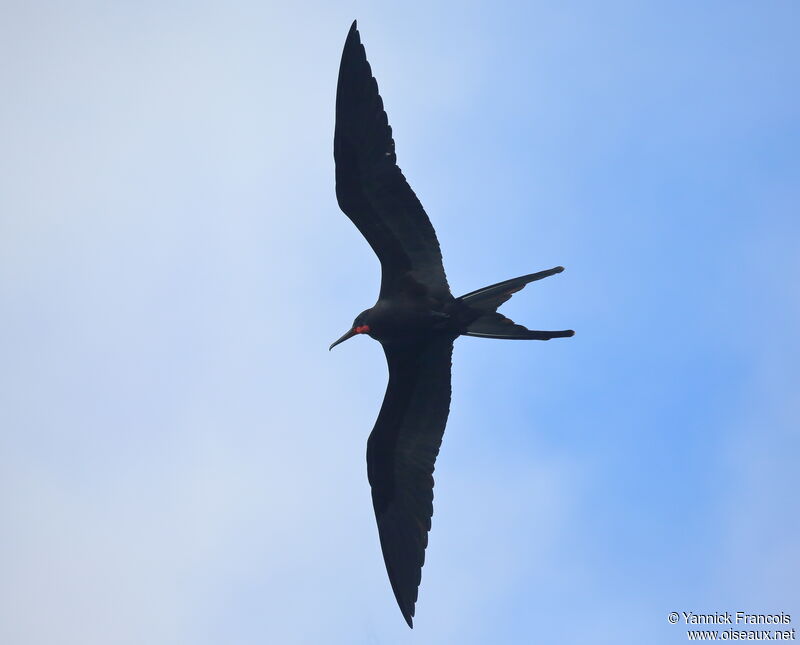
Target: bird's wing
x,y
401,452
372,190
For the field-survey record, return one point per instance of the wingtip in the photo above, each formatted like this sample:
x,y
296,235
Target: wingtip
x,y
352,35
558,269
409,619
570,333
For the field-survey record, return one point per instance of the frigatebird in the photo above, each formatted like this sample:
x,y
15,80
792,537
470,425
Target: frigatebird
x,y
416,319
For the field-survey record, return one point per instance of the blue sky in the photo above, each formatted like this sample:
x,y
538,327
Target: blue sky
x,y
182,460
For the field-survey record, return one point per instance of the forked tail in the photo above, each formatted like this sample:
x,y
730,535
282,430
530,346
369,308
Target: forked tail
x,y
484,321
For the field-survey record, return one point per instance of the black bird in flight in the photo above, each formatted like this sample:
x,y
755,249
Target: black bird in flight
x,y
416,319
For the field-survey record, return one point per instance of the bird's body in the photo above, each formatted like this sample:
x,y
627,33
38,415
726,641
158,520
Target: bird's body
x,y
416,319
405,318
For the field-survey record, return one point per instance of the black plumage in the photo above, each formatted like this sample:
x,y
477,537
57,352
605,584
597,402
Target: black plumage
x,y
416,319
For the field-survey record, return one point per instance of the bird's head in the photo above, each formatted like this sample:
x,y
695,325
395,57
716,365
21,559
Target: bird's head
x,y
361,325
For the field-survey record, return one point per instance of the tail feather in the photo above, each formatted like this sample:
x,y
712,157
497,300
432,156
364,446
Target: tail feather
x,y
487,323
491,297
